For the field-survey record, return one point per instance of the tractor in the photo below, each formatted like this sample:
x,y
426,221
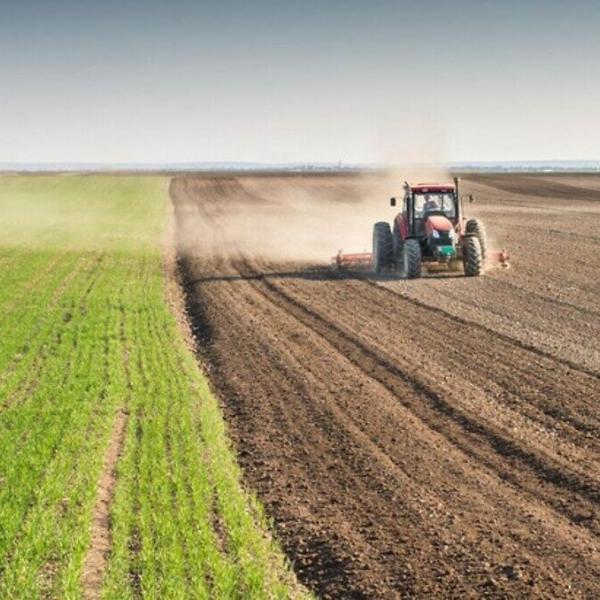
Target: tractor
x,y
430,229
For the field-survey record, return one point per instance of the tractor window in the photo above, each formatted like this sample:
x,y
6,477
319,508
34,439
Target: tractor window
x,y
419,205
448,205
425,203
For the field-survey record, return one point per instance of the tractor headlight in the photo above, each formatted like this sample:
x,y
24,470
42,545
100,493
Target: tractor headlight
x,y
435,233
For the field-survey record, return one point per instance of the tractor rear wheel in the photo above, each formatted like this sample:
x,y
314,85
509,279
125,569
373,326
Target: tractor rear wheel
x,y
472,256
475,226
411,259
383,246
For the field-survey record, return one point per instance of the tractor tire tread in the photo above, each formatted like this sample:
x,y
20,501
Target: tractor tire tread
x,y
411,250
473,258
383,246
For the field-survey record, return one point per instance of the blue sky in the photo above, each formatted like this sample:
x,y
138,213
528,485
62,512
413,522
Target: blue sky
x,y
285,81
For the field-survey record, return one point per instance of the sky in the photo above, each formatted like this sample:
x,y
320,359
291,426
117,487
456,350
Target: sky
x,y
299,80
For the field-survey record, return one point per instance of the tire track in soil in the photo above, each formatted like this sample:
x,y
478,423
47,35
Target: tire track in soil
x,y
475,437
382,483
97,555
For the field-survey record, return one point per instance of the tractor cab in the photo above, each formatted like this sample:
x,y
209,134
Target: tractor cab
x,y
422,203
430,215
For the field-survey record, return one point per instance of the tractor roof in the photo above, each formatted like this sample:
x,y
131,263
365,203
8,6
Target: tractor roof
x,y
432,187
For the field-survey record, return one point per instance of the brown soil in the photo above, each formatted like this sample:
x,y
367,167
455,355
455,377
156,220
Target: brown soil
x,y
96,559
410,438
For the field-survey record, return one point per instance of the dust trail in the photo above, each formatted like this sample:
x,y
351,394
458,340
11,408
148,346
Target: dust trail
x,y
292,218
81,213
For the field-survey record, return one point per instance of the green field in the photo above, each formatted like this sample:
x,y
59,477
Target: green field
x,y
88,338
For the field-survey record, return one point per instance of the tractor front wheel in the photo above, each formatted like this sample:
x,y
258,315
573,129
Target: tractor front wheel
x,y
472,257
411,259
383,246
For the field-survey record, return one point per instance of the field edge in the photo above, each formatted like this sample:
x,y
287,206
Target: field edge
x,y
284,583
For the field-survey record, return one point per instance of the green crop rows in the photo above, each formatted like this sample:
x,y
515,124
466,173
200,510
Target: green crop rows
x,y
86,335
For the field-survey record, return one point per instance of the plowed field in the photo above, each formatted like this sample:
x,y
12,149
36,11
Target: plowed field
x,y
439,436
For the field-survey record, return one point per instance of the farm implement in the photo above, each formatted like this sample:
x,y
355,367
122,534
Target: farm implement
x,y
429,232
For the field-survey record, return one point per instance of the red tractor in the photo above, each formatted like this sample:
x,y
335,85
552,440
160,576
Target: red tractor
x,y
431,229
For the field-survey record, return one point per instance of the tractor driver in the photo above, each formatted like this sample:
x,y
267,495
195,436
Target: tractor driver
x,y
431,204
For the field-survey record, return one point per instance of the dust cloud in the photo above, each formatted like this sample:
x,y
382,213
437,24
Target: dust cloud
x,y
82,212
290,218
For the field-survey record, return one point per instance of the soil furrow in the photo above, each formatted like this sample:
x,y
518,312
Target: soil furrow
x,y
466,426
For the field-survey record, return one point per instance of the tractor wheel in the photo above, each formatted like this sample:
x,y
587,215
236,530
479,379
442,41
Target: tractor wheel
x,y
411,259
383,246
475,226
472,256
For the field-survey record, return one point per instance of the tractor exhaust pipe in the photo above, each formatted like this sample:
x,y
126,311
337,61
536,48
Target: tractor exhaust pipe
x,y
459,204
